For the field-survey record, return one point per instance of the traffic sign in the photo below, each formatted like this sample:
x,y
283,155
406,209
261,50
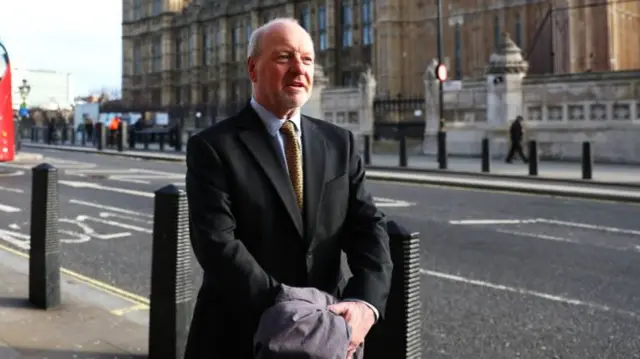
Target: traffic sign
x,y
441,72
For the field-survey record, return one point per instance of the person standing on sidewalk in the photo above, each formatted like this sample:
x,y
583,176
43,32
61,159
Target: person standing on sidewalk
x,y
274,196
516,134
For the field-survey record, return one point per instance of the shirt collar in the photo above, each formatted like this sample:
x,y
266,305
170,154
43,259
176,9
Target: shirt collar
x,y
271,122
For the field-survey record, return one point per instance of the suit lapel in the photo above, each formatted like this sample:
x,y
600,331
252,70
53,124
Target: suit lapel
x,y
256,138
314,154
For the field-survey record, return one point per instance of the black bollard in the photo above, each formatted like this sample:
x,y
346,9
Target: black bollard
x,y
533,158
101,136
121,136
587,161
161,141
403,149
44,251
486,156
170,303
178,139
442,150
367,149
399,333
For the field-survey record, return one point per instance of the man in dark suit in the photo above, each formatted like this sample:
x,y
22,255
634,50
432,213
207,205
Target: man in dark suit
x,y
274,197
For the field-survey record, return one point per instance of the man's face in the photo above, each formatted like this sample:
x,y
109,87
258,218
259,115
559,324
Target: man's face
x,y
282,73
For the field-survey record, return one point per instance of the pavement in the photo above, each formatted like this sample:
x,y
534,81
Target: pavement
x,y
89,323
603,173
504,275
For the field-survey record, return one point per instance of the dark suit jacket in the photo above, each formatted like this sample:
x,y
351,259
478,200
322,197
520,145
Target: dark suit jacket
x,y
249,235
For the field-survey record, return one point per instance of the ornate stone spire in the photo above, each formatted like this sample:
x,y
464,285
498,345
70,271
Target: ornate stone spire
x,y
507,59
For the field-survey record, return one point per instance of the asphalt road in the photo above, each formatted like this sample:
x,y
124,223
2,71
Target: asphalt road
x,y
504,275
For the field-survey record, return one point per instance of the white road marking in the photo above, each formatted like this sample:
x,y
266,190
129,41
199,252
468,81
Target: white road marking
x,y
388,202
633,232
83,218
121,216
491,221
130,175
16,238
590,226
14,226
527,292
79,184
9,189
110,208
8,209
90,232
632,248
11,174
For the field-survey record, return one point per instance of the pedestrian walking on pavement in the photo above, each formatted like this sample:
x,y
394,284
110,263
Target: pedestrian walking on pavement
x,y
274,196
516,134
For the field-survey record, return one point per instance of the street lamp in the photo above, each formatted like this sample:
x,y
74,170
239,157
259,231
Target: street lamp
x,y
24,91
441,73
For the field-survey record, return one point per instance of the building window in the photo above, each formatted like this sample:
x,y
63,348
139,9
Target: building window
x,y
367,20
192,50
137,59
518,31
218,46
347,79
156,51
457,45
157,7
137,9
248,29
207,47
322,27
177,92
496,31
304,18
346,23
235,42
204,95
178,53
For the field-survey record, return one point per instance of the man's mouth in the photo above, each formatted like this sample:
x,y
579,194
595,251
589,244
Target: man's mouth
x,y
297,85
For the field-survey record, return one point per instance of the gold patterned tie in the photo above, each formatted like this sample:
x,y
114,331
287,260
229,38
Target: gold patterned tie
x,y
293,155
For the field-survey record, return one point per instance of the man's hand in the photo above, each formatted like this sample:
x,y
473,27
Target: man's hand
x,y
359,317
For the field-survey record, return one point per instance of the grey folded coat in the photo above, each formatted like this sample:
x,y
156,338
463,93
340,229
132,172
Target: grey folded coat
x,y
299,326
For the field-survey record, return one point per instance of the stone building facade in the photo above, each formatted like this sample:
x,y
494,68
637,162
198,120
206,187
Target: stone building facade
x,y
193,52
556,36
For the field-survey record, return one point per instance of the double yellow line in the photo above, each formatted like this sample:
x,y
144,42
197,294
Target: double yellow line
x,y
138,302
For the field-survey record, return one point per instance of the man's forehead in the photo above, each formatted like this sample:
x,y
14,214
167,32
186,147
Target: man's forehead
x,y
289,37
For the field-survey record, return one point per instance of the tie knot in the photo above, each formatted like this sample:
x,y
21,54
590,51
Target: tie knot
x,y
288,128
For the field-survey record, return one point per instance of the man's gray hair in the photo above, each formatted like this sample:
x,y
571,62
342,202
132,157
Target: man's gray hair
x,y
254,40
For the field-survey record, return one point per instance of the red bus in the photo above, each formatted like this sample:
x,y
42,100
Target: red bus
x,y
7,136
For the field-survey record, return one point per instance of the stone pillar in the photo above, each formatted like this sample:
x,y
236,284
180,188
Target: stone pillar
x,y
432,109
505,73
367,86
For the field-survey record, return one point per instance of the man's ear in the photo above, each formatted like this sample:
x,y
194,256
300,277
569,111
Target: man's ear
x,y
251,69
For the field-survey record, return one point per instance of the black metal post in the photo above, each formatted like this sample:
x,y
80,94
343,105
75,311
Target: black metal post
x,y
161,141
398,333
403,148
178,134
170,309
101,135
533,158
486,156
367,149
587,161
44,251
132,138
442,134
121,136
83,136
17,131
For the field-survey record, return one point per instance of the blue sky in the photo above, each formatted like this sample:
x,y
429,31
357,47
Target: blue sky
x,y
83,37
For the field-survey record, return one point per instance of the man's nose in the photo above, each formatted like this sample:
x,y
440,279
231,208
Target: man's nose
x,y
297,66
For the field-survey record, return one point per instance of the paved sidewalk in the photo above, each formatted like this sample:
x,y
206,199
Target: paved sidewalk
x,y
82,328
